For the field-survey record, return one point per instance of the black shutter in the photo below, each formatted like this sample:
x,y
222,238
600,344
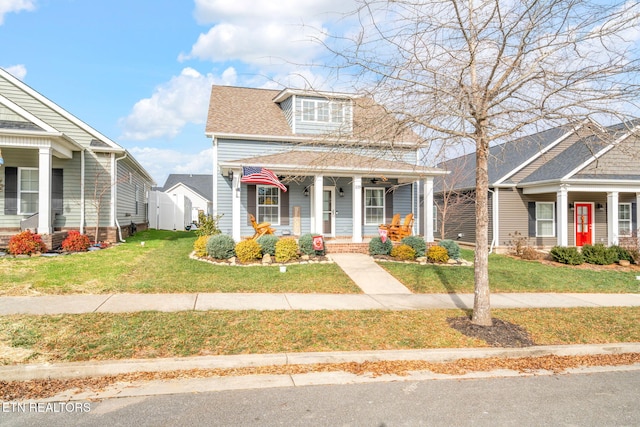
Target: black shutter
x,y
11,191
634,216
532,218
284,207
388,204
251,203
57,194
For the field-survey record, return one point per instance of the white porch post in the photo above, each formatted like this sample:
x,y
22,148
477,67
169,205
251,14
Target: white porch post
x,y
428,209
235,206
318,186
563,216
637,230
612,218
357,209
44,191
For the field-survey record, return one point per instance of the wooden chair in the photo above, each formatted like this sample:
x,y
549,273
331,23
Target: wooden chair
x,y
401,231
262,228
395,222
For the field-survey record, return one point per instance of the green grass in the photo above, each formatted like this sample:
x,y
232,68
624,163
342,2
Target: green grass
x,y
162,265
507,274
97,336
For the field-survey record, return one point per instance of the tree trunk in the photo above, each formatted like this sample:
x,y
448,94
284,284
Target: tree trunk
x,y
481,303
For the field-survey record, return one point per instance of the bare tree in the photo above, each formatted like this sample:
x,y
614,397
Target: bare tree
x,y
484,71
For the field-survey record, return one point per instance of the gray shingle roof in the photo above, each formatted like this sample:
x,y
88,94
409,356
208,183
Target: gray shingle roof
x,y
14,124
201,184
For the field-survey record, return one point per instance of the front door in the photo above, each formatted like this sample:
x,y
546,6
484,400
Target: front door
x,y
584,223
328,211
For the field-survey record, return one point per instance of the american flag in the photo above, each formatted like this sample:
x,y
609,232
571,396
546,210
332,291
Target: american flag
x,y
258,175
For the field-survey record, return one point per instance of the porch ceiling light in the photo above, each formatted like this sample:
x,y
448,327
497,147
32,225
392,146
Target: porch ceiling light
x,y
306,191
341,192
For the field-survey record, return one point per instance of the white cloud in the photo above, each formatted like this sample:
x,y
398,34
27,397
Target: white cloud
x,y
12,6
18,71
264,31
161,162
183,99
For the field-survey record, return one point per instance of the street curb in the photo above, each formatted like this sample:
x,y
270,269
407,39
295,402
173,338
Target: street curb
x,y
111,367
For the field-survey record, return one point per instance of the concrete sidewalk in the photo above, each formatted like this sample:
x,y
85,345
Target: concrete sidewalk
x,y
121,303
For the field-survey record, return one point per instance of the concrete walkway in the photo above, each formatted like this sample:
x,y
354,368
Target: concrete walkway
x,y
368,275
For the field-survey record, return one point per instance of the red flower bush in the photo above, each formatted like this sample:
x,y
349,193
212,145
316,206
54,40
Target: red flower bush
x,y
76,242
26,243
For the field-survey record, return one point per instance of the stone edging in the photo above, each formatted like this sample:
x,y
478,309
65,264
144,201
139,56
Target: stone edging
x,y
193,256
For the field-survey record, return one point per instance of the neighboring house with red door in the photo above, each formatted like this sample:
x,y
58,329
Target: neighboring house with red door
x,y
57,173
345,163
565,186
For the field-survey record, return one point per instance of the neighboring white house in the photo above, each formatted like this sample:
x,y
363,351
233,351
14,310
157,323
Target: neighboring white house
x,y
177,204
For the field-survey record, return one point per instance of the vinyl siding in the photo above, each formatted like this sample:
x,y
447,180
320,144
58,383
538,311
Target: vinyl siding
x,y
623,159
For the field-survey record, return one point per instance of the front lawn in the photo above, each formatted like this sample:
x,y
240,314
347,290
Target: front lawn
x,y
98,336
507,274
162,265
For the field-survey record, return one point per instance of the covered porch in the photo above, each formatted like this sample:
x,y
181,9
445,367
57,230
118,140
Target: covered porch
x,y
344,197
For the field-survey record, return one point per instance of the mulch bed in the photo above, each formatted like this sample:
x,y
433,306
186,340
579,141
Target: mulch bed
x,y
500,334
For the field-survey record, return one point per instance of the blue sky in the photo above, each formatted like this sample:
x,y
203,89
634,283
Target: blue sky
x,y
140,71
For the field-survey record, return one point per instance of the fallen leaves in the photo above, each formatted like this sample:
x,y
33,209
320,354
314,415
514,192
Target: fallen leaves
x,y
40,389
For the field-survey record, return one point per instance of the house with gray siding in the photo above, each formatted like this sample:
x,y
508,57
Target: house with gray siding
x,y
567,186
58,173
346,164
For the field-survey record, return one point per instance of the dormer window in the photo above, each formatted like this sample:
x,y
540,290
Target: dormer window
x,y
322,111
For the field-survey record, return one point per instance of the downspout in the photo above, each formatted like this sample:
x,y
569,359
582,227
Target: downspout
x,y
494,219
82,188
114,178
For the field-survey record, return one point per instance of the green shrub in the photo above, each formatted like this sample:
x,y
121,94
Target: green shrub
x,y
566,255
286,249
26,243
248,250
376,247
76,242
200,246
453,250
621,253
268,243
306,245
599,254
417,243
437,254
207,225
221,246
403,253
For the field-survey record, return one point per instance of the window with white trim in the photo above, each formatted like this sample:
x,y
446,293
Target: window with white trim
x,y
28,186
268,204
624,219
545,219
373,206
322,111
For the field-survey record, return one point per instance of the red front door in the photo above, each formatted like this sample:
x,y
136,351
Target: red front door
x,y
584,223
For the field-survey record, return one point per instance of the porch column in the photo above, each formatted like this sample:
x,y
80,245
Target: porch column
x,y
612,218
235,206
44,191
637,230
357,209
318,184
562,201
428,209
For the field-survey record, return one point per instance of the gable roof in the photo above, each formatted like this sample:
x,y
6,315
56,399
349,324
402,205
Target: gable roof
x,y
200,184
507,159
248,112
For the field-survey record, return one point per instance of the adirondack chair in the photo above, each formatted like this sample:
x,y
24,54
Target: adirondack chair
x,y
399,232
395,222
260,229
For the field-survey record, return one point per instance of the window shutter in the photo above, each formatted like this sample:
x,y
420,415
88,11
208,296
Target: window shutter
x,y
57,205
11,191
251,203
532,218
284,207
388,204
634,217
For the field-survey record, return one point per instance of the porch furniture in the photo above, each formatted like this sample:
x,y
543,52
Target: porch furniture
x,y
260,229
399,232
395,222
